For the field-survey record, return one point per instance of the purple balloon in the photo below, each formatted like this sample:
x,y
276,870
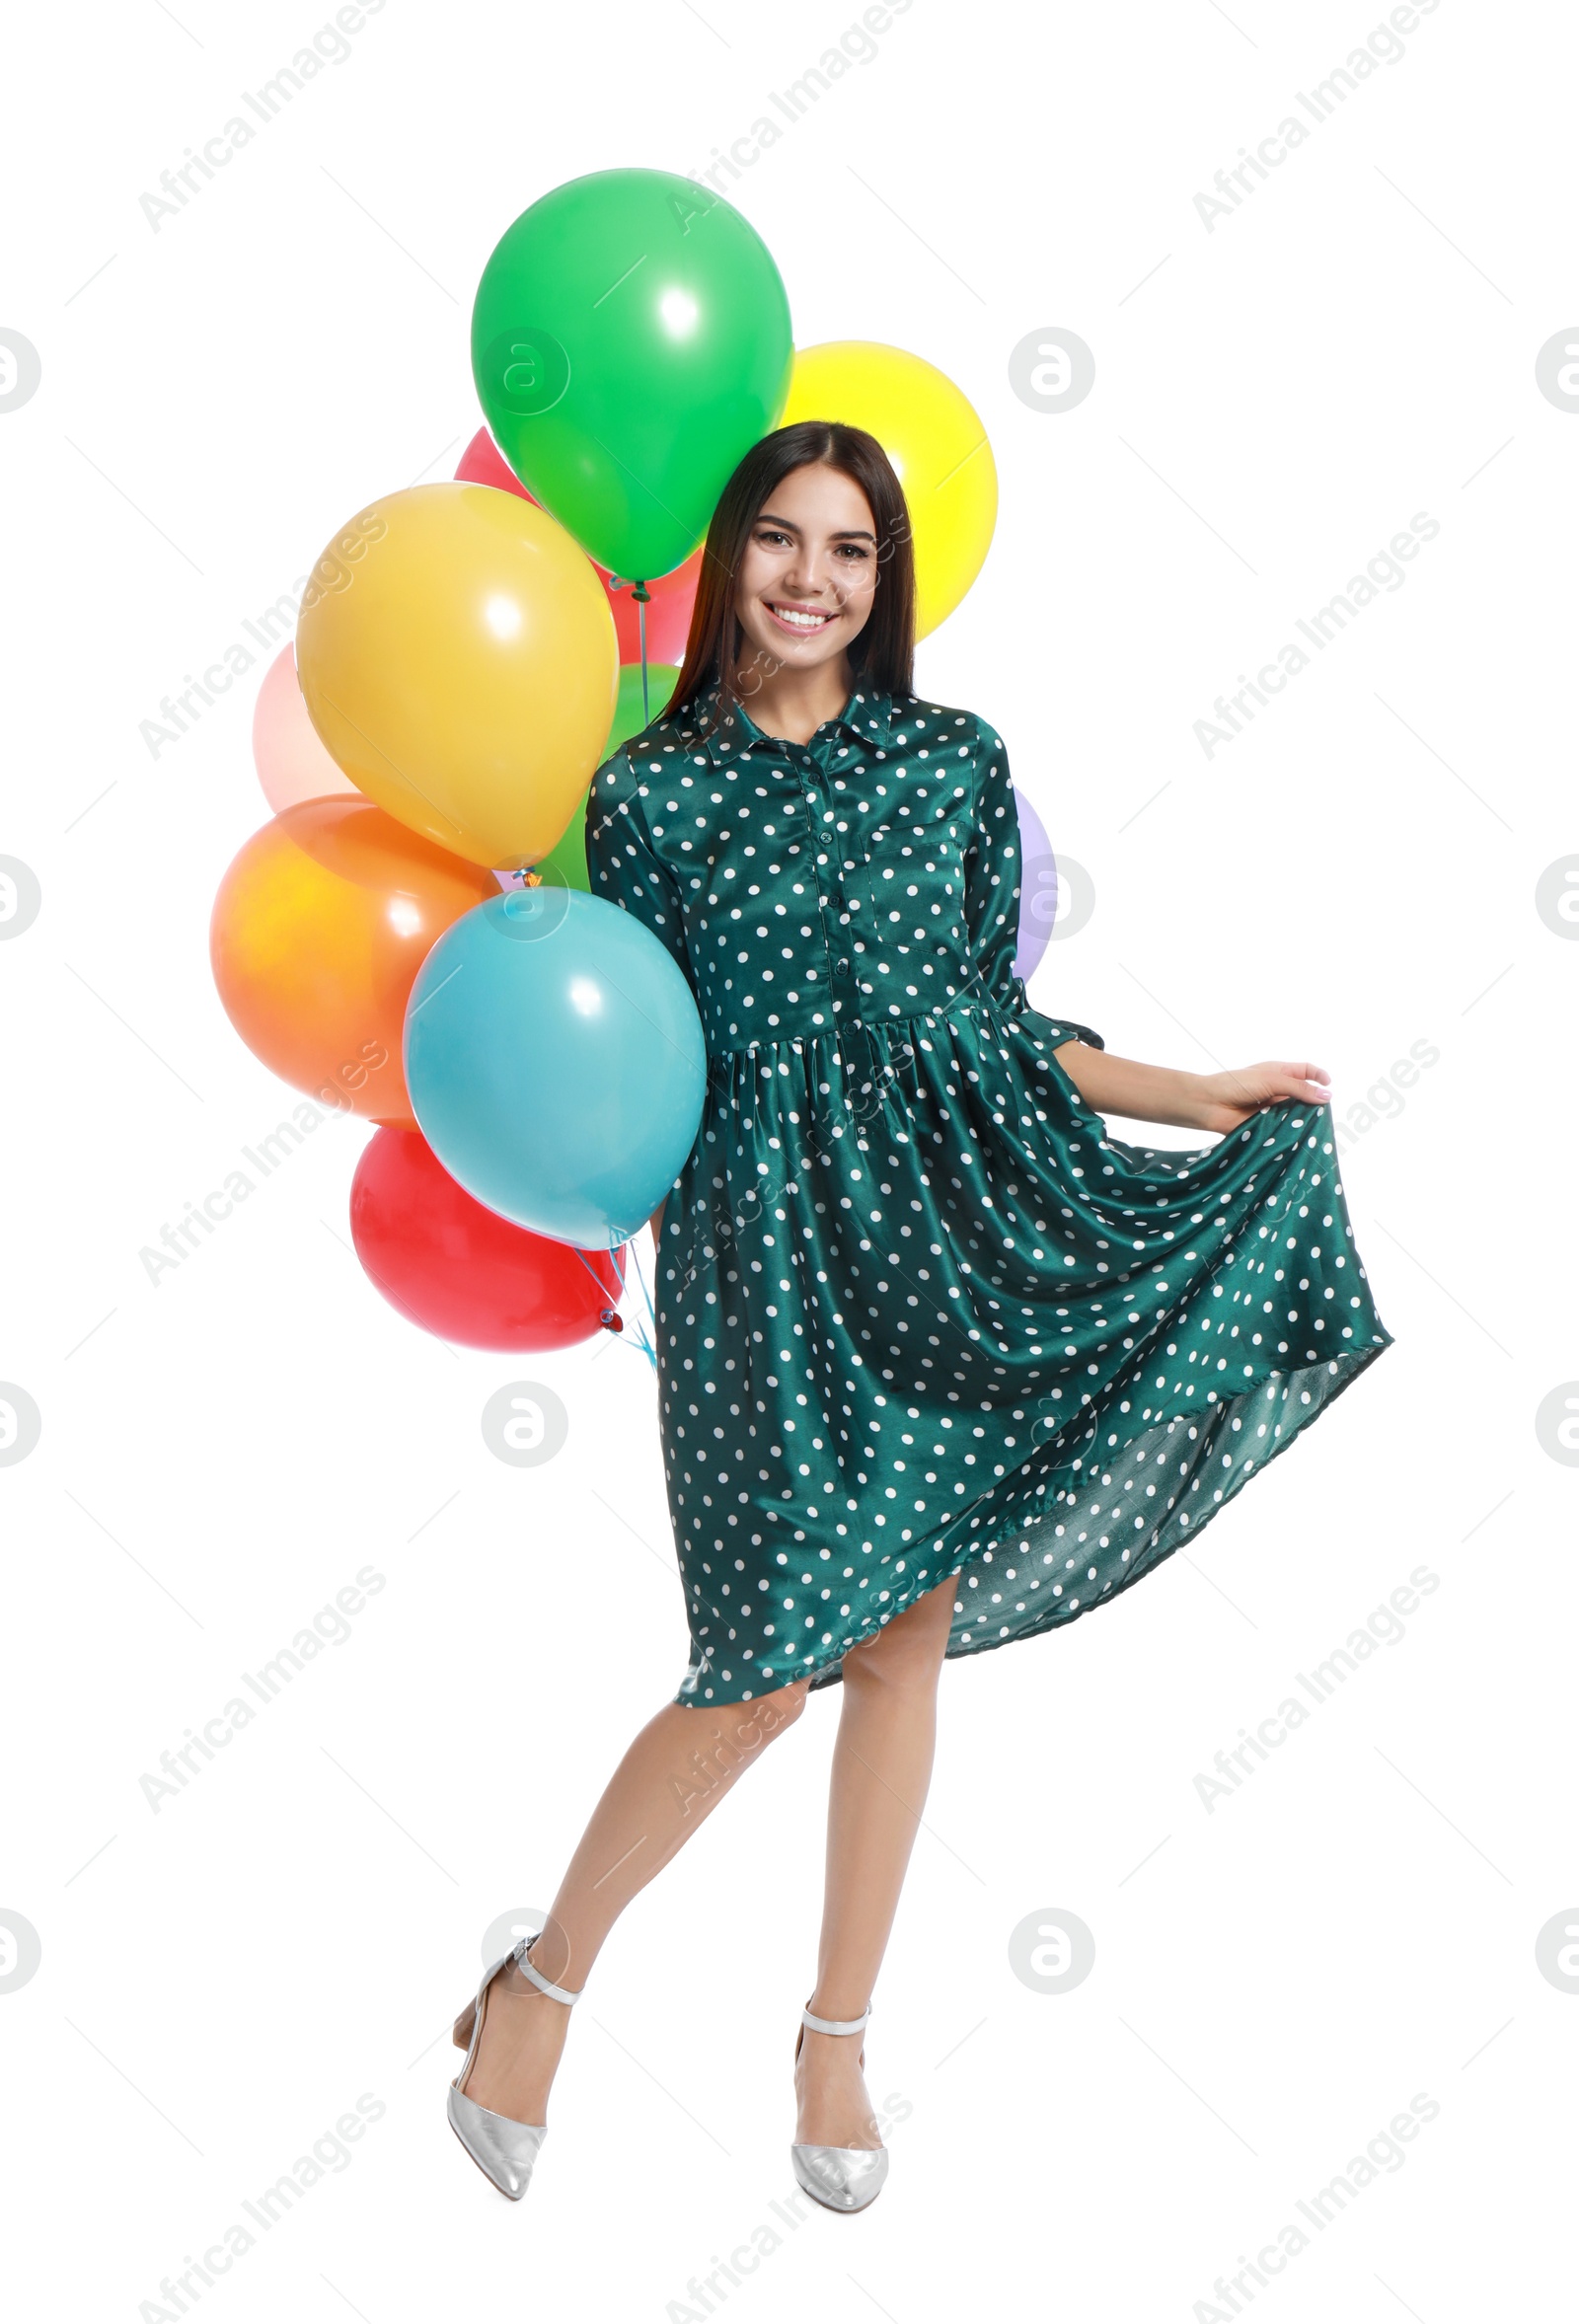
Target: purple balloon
x,y
1038,887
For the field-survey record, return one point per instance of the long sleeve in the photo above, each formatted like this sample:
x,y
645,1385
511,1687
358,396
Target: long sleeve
x,y
623,864
992,877
993,869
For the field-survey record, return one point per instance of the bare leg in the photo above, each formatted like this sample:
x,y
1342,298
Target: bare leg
x,y
667,1784
882,1768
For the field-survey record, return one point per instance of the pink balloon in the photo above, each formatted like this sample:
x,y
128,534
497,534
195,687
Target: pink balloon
x,y
292,764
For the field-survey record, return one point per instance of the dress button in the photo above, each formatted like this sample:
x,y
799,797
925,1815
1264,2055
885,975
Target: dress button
x,y
841,968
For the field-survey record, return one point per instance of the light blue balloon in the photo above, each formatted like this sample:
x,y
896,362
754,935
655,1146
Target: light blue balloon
x,y
555,1063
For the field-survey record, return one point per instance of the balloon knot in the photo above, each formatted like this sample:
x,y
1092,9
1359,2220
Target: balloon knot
x,y
609,1320
642,593
531,878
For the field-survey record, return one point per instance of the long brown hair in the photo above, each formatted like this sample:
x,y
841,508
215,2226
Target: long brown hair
x,y
883,655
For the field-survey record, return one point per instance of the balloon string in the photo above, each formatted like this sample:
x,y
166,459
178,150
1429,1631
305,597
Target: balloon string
x,y
642,1284
641,594
609,1318
645,1341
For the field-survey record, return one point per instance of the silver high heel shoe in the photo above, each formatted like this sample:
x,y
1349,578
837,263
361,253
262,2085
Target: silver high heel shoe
x,y
502,2151
840,2178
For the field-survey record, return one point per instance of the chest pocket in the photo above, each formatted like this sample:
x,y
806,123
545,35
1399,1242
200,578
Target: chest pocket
x,y
915,868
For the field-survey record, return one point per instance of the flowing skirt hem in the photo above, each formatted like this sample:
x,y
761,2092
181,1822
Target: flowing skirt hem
x,y
1016,1583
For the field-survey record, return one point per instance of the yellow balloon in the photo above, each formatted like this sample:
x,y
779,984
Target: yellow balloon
x,y
938,446
458,659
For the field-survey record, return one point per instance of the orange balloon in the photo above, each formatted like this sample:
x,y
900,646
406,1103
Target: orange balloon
x,y
292,764
319,929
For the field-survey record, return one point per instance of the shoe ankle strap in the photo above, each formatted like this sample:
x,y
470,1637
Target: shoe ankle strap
x,y
554,1993
836,2025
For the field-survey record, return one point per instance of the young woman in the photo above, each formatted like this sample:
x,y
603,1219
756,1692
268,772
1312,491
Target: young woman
x,y
942,1364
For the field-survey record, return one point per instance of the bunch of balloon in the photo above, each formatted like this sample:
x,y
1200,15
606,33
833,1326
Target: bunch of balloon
x,y
466,656
325,918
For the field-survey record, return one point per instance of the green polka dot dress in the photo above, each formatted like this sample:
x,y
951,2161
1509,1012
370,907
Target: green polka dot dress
x,y
919,1313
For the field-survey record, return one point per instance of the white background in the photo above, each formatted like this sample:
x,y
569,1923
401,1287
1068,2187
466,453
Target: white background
x,y
1274,1980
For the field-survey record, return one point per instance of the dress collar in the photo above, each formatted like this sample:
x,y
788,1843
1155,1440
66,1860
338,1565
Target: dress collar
x,y
727,730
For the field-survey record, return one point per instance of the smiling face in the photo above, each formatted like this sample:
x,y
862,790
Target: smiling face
x,y
807,573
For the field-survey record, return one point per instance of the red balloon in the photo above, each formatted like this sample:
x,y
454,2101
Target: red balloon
x,y
461,1271
671,597
483,462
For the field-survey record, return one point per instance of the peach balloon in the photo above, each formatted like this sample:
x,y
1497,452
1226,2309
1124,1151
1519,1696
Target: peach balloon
x,y
318,932
292,764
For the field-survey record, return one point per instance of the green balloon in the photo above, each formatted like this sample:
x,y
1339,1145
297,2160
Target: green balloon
x,y
628,716
630,340
565,865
